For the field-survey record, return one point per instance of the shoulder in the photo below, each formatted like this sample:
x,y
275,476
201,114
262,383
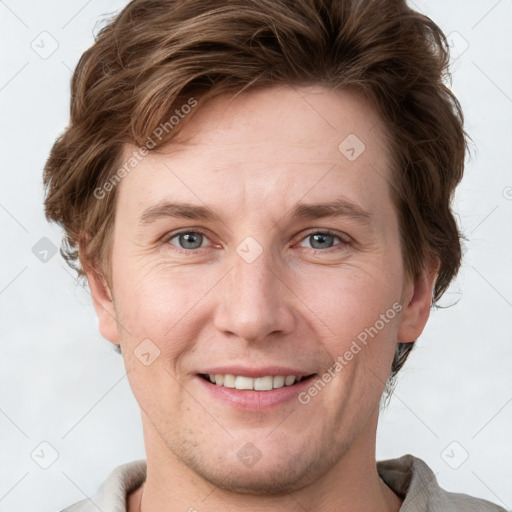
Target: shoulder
x,y
413,480
112,493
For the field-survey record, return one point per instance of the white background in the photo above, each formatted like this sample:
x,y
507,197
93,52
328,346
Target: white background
x,y
61,383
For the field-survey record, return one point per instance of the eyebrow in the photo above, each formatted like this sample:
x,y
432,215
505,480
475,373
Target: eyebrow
x,y
338,208
175,210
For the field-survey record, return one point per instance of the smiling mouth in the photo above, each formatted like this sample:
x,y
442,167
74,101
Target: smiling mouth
x,y
266,383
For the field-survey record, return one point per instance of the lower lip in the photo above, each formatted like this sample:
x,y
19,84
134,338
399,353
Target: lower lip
x,y
256,400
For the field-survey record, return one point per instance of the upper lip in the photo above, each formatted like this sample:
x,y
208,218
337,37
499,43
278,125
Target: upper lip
x,y
255,372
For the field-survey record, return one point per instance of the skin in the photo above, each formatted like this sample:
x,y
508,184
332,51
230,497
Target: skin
x,y
251,159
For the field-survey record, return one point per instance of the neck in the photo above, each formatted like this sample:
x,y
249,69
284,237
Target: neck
x,y
351,484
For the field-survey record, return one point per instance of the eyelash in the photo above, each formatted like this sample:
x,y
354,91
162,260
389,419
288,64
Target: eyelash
x,y
335,234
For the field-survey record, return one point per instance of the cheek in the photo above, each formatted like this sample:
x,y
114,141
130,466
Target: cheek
x,y
163,310
352,298
157,297
358,312
155,308
361,322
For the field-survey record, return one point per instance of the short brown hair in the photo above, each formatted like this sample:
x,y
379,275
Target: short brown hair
x,y
157,54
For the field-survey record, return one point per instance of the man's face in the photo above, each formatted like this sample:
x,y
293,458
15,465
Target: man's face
x,y
261,285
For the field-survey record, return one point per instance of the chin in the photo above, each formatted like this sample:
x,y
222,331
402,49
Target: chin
x,y
278,476
263,482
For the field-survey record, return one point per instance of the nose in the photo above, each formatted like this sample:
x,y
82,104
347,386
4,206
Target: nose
x,y
254,301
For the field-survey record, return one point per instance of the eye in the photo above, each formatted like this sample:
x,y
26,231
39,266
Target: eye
x,y
189,240
323,240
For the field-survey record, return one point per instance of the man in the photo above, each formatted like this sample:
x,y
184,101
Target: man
x,y
258,193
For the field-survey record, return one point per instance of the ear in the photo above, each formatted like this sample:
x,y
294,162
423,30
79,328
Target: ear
x,y
417,304
103,301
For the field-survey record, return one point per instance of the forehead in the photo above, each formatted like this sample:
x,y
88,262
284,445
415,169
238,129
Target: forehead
x,y
310,119
249,149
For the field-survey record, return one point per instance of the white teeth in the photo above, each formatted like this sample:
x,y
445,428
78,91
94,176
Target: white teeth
x,y
229,381
259,384
244,383
279,381
263,383
289,380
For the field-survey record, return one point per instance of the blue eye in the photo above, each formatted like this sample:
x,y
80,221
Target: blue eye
x,y
189,239
316,240
323,240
